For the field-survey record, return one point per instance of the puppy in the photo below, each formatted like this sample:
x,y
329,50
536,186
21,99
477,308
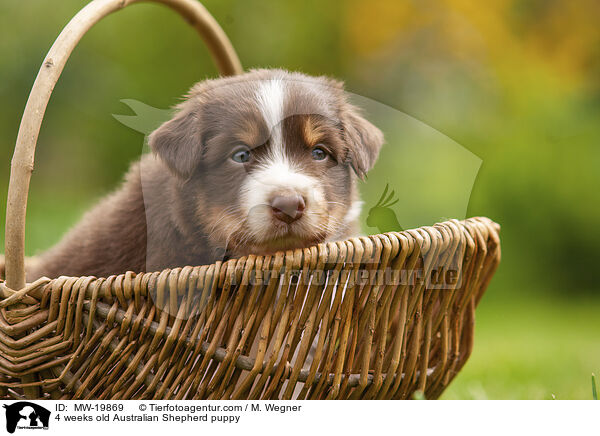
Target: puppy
x,y
256,163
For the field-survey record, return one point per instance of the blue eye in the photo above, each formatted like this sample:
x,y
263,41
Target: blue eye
x,y
241,156
319,153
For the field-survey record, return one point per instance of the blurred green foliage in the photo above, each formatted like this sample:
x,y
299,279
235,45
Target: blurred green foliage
x,y
514,83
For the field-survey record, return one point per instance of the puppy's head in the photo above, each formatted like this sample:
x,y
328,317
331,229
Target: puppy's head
x,y
268,160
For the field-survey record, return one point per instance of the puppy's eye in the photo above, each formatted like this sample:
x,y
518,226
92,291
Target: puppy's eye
x,y
241,155
319,153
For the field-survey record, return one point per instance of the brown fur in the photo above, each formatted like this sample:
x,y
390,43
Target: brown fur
x,y
173,207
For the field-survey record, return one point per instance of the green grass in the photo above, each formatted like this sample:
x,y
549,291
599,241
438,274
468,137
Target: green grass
x,y
531,347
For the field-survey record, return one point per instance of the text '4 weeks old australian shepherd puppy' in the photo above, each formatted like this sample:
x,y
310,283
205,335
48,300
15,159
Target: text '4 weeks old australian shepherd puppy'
x,y
256,163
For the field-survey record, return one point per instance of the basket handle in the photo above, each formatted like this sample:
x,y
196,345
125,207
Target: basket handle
x,y
22,162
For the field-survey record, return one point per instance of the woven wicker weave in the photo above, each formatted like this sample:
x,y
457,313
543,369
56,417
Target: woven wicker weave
x,y
117,337
364,318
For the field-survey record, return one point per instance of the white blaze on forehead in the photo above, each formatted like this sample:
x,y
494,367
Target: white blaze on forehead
x,y
270,99
277,173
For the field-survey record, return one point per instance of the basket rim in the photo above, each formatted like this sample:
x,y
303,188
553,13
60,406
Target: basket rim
x,y
295,256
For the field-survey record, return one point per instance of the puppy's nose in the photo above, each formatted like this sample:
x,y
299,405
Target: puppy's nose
x,y
288,208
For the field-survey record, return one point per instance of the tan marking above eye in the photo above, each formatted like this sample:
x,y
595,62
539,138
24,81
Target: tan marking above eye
x,y
249,130
250,134
313,132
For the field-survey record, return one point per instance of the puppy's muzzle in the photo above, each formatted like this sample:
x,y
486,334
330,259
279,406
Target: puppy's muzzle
x,y
288,208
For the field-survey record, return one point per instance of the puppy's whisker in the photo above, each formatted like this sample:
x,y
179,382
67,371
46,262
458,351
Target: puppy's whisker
x,y
226,229
229,211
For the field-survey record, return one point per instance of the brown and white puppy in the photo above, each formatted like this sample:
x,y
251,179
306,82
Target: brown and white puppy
x,y
264,161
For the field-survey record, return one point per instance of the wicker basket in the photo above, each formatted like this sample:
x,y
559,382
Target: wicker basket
x,y
363,318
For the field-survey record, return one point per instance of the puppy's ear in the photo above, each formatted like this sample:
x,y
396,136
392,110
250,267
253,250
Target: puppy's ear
x,y
178,142
363,139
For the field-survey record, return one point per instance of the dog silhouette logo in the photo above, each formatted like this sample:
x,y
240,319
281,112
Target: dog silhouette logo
x,y
24,414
